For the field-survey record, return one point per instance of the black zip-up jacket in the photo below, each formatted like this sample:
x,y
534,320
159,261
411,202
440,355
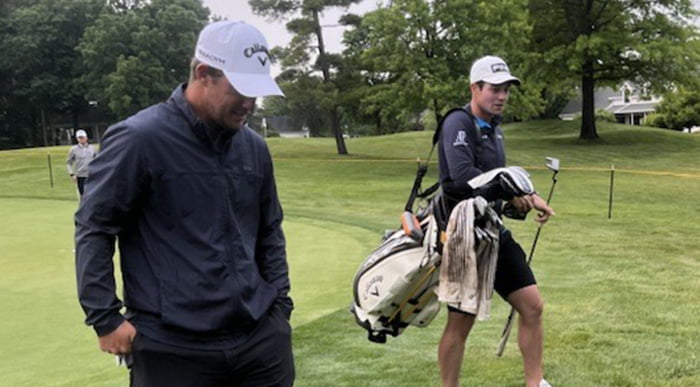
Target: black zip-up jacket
x,y
198,223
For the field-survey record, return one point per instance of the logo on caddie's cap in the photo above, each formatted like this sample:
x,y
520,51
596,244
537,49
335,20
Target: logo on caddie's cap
x,y
241,52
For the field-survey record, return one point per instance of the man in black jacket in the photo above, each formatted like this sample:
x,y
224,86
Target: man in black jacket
x,y
471,142
188,191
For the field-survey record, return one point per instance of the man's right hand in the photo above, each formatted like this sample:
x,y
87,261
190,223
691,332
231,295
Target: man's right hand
x,y
74,178
118,342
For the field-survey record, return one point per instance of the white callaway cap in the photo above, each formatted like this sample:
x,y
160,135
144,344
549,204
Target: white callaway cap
x,y
240,51
80,133
493,70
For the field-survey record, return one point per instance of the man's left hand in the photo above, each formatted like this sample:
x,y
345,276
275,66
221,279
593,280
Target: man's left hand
x,y
545,211
525,204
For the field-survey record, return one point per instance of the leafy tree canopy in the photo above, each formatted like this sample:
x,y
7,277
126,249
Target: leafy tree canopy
x,y
419,54
604,42
136,52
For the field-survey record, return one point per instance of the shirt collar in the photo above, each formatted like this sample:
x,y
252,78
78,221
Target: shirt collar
x,y
495,120
482,124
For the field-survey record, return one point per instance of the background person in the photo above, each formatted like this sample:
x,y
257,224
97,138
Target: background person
x,y
79,156
189,191
462,157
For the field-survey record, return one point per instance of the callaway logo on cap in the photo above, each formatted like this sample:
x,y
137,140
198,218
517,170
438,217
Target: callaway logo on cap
x,y
240,51
493,70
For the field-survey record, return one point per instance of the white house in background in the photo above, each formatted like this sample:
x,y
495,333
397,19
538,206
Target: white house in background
x,y
303,133
629,103
283,126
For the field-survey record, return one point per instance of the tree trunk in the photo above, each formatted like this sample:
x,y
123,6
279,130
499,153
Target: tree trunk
x,y
335,118
76,118
339,140
588,128
438,115
378,122
43,127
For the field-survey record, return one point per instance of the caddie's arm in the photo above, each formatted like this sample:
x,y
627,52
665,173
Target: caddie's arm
x,y
544,210
526,203
116,182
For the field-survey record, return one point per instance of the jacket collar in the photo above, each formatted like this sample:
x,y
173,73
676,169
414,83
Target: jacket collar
x,y
217,138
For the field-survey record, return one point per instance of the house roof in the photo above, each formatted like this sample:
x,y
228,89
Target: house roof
x,y
601,97
635,107
611,100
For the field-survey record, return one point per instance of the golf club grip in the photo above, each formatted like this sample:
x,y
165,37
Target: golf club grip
x,y
506,333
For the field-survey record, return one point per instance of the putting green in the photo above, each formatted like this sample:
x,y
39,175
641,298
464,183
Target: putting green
x,y
323,257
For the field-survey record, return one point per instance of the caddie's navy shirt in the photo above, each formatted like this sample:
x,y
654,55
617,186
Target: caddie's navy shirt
x,y
198,224
458,151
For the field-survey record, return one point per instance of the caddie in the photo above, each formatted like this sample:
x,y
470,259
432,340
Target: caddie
x,y
471,143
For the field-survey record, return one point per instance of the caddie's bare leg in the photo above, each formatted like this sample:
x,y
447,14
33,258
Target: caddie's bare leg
x,y
451,348
529,304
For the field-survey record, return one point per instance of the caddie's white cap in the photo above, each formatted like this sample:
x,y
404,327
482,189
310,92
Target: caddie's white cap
x,y
241,52
493,70
80,133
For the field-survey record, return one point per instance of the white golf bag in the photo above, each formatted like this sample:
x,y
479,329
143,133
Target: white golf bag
x,y
395,285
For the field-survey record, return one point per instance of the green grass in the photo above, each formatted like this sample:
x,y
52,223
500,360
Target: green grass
x,y
622,294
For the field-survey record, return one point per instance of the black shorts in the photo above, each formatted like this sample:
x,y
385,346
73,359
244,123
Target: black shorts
x,y
512,270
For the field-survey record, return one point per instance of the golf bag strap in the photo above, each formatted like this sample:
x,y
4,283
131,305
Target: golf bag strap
x,y
477,132
415,190
423,169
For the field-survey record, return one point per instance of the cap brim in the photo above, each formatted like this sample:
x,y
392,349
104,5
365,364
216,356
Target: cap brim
x,y
254,85
501,79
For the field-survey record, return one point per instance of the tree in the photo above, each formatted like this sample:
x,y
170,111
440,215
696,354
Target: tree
x,y
137,51
679,109
38,64
604,42
306,44
419,54
304,105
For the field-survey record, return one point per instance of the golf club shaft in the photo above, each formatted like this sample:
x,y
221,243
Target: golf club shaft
x,y
511,317
506,333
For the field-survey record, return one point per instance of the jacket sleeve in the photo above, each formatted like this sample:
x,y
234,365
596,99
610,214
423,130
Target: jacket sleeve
x,y
70,160
457,142
270,250
115,184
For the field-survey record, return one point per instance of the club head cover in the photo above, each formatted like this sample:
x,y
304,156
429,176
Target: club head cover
x,y
502,183
517,181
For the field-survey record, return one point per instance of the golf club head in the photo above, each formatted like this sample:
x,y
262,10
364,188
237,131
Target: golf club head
x,y
552,163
